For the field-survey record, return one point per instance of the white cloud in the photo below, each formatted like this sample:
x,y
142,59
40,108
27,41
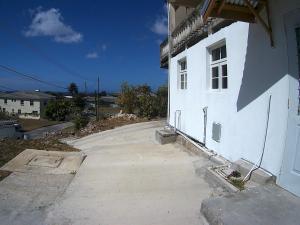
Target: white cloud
x,y
92,55
50,23
104,47
160,26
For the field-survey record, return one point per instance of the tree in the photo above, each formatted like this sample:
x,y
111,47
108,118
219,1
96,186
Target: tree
x,y
58,109
73,89
103,93
162,101
146,101
127,99
79,102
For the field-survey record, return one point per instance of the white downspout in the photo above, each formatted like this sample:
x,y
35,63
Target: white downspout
x,y
169,62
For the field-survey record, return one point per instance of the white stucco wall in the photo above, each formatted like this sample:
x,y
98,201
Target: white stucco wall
x,y
25,109
255,72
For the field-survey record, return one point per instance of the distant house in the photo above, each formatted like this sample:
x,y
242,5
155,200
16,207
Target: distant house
x,y
25,104
10,129
109,101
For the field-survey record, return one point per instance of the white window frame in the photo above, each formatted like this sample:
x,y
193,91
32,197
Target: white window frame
x,y
218,64
182,75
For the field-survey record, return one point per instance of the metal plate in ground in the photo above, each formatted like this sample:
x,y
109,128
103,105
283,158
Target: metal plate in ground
x,y
46,161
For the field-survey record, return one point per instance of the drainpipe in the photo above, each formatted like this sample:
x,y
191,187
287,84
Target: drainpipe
x,y
258,164
169,61
205,124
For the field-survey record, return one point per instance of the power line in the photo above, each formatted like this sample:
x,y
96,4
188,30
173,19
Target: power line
x,y
7,88
12,70
42,54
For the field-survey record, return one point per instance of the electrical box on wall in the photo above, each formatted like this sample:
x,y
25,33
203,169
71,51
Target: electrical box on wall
x,y
216,132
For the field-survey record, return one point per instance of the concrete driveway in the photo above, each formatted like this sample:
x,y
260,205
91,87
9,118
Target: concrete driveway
x,y
129,179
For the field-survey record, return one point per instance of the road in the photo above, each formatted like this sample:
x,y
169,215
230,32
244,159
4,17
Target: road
x,y
127,178
40,132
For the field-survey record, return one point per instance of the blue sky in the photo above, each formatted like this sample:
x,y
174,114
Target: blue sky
x,y
75,40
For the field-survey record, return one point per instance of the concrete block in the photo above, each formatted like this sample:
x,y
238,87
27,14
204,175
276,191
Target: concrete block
x,y
259,176
165,136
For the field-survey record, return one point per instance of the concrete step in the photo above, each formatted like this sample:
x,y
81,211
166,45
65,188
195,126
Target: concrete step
x,y
165,136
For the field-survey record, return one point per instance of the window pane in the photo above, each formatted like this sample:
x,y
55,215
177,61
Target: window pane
x,y
223,52
215,54
224,70
215,72
185,81
182,81
215,83
183,65
182,85
224,82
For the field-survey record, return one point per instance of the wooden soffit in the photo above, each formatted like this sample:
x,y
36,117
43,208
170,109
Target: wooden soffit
x,y
235,10
238,10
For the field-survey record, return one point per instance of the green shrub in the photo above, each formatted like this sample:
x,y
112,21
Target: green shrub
x,y
80,121
58,109
162,101
142,100
127,99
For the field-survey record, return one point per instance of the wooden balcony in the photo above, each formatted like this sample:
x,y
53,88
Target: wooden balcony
x,y
188,33
164,54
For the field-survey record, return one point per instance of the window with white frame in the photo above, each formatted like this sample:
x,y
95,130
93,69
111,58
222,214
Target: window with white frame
x,y
218,68
182,75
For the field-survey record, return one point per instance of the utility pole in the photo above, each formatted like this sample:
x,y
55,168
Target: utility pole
x,y
98,111
96,105
85,88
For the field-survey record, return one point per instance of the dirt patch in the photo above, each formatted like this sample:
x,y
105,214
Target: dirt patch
x,y
108,124
3,174
30,124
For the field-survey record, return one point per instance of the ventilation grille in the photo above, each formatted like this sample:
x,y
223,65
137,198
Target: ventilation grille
x,y
216,132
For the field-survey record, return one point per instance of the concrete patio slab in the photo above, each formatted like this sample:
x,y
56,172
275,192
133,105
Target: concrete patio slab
x,y
260,206
45,162
38,178
128,178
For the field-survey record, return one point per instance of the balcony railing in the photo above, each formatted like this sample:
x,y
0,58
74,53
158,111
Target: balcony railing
x,y
164,49
188,33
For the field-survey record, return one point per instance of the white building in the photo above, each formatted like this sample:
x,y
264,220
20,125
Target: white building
x,y
24,104
234,80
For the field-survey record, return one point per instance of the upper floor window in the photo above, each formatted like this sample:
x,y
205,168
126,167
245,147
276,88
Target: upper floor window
x,y
218,68
22,102
182,76
31,103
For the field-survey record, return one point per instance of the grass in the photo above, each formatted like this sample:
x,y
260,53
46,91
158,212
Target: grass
x,y
238,183
30,124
